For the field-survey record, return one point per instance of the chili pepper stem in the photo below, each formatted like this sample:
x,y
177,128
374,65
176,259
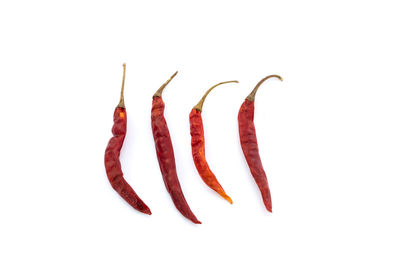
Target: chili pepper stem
x,y
121,100
160,90
252,95
199,105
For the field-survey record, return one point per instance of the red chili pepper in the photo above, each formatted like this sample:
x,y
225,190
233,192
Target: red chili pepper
x,y
165,154
248,141
198,149
111,157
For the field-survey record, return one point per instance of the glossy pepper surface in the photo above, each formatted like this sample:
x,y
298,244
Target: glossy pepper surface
x,y
248,141
111,158
198,146
165,155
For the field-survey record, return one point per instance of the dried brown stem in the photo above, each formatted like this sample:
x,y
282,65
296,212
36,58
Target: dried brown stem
x,y
199,105
121,100
160,90
252,95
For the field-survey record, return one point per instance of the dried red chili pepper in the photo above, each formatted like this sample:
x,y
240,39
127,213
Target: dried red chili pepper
x,y
248,141
111,157
198,149
165,154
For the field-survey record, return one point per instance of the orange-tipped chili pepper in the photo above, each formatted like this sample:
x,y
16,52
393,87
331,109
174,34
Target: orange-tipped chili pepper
x,y
198,149
111,157
248,141
165,154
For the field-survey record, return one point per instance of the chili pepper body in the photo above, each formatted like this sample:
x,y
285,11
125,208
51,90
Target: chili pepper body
x,y
113,164
165,156
198,153
198,148
248,141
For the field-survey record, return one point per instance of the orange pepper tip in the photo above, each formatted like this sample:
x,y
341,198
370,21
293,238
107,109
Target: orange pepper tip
x,y
227,198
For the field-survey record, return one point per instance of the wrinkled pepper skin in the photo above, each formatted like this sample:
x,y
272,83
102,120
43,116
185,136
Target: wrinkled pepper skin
x,y
166,159
113,165
198,153
248,141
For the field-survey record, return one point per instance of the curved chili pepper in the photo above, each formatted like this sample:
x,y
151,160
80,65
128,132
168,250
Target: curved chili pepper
x,y
111,157
248,141
198,149
165,154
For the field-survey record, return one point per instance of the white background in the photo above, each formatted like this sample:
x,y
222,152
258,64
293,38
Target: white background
x,y
328,135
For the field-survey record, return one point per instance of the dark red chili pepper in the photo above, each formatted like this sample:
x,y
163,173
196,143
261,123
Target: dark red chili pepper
x,y
248,141
111,157
165,154
198,149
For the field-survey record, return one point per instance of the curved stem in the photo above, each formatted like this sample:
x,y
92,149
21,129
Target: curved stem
x,y
199,105
121,100
252,95
160,90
